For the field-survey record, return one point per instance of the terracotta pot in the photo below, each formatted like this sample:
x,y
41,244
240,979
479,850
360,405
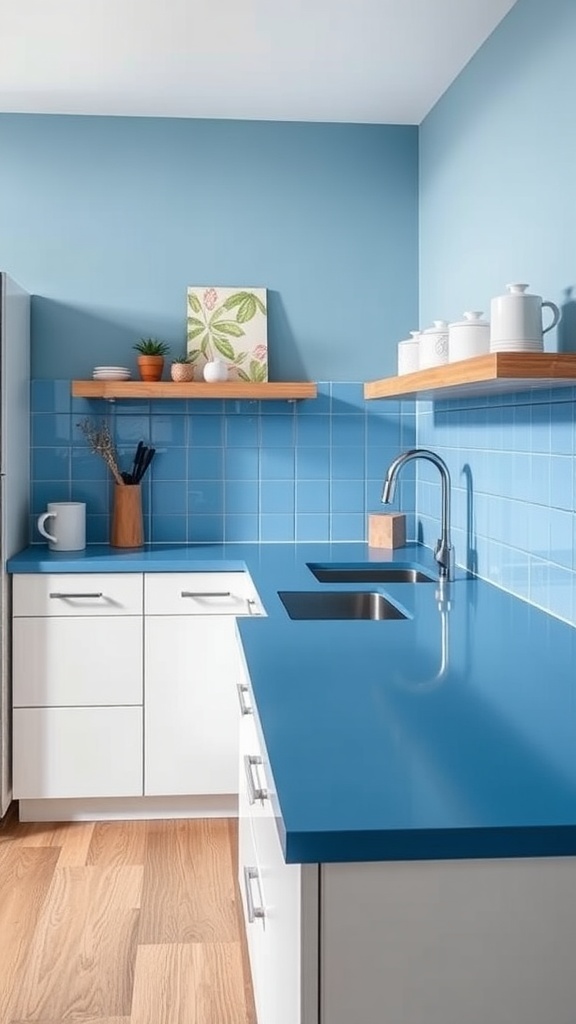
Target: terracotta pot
x,y
150,367
181,372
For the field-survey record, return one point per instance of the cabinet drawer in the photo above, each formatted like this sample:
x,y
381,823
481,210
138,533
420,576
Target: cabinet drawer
x,y
200,593
77,594
59,662
77,752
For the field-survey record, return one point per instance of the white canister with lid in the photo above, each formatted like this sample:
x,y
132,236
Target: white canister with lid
x,y
409,353
469,337
516,320
434,345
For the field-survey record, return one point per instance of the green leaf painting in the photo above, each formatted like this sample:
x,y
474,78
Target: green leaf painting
x,y
228,324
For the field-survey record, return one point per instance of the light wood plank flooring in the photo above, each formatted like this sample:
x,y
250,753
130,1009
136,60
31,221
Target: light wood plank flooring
x,y
135,922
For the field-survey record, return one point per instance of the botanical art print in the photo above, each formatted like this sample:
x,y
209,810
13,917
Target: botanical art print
x,y
228,324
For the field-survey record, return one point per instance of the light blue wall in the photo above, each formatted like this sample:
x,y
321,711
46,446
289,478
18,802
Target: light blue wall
x,y
498,204
107,220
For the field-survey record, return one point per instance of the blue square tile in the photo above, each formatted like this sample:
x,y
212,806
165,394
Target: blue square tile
x,y
313,463
50,396
348,526
206,431
205,464
49,430
241,497
348,464
383,431
311,527
131,407
561,482
169,529
277,407
129,430
93,408
348,495
313,431
51,463
97,529
348,430
241,463
540,434
562,428
242,407
538,530
169,498
242,431
313,496
276,528
347,398
87,465
169,464
560,537
319,406
206,497
241,529
205,529
167,430
45,491
378,460
277,496
277,464
277,431
172,407
206,406
95,494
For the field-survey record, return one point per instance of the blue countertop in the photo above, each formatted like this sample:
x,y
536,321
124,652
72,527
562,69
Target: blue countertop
x,y
451,733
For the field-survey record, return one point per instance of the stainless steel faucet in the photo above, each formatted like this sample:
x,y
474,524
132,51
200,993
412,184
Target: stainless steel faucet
x,y
443,549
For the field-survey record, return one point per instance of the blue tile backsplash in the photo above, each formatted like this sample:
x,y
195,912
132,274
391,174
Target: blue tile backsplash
x,y
228,470
511,458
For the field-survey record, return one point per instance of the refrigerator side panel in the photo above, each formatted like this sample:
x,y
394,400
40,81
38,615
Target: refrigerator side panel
x,y
14,486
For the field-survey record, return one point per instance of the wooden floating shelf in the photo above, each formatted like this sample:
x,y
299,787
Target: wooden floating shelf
x,y
289,391
496,373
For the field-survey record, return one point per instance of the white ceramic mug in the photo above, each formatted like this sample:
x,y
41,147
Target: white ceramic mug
x,y
516,318
68,525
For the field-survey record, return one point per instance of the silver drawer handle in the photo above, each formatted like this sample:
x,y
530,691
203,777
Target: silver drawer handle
x,y
206,593
68,596
245,708
252,606
254,911
255,790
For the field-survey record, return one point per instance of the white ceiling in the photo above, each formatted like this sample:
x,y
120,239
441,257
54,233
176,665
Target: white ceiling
x,y
380,61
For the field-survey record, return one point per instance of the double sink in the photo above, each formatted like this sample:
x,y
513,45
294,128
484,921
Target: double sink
x,y
352,604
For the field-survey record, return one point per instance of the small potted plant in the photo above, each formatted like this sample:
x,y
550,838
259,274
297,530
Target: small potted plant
x,y
151,358
181,369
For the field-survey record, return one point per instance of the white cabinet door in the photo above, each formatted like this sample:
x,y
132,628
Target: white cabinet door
x,y
191,705
77,752
59,662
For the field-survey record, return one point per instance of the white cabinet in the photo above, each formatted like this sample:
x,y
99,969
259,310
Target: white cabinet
x,y
191,673
77,686
77,752
279,900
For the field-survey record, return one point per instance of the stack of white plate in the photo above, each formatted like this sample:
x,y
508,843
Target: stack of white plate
x,y
111,373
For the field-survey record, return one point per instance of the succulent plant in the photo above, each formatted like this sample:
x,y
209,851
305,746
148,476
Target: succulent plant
x,y
151,347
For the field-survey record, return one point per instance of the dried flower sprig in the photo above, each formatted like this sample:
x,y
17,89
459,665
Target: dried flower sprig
x,y
100,442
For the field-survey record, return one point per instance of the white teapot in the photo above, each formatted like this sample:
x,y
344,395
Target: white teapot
x,y
516,320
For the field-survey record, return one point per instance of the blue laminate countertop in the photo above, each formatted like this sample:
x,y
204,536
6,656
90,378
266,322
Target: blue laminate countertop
x,y
451,733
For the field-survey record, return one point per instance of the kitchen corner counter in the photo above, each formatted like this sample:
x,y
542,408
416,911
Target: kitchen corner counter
x,y
450,734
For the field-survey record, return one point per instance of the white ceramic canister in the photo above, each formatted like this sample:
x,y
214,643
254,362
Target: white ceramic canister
x,y
468,337
434,345
409,354
516,320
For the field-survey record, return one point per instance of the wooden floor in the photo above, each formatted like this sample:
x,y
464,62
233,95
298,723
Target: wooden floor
x,y
121,923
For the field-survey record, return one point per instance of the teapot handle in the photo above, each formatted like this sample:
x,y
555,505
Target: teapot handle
x,y
555,316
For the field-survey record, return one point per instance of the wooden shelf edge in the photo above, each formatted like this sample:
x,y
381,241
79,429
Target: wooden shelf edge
x,y
498,372
287,390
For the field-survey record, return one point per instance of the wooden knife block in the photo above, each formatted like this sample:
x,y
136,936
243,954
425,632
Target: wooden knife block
x,y
127,524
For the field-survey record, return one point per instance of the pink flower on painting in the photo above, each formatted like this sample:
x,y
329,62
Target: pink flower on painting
x,y
210,298
260,352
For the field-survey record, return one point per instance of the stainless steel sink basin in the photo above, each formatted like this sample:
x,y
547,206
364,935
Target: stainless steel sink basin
x,y
336,604
370,574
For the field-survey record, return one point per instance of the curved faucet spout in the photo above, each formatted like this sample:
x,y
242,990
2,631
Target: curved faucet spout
x,y
443,549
